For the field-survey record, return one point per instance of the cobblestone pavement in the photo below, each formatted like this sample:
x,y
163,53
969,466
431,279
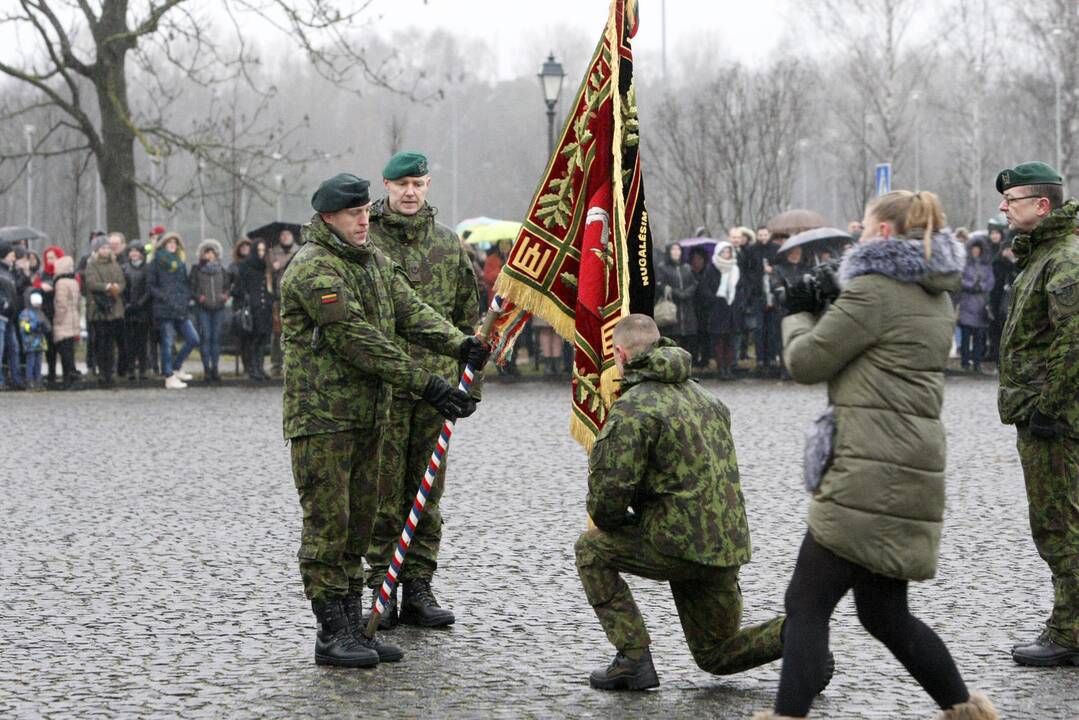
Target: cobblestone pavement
x,y
148,569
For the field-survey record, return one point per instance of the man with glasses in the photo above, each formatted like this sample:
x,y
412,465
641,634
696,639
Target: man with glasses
x,y
1039,373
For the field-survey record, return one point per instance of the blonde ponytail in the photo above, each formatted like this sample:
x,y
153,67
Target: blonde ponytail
x,y
909,211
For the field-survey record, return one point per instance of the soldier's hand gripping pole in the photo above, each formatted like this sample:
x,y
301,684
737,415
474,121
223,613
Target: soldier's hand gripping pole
x,y
389,583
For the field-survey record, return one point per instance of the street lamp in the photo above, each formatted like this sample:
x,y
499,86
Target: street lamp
x,y
915,98
280,179
29,130
551,76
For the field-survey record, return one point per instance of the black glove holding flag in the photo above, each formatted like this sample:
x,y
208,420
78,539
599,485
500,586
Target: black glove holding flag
x,y
474,352
450,402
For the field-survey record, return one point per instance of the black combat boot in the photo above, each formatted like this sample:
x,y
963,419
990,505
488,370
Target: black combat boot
x,y
334,642
626,674
1045,652
388,619
358,622
419,607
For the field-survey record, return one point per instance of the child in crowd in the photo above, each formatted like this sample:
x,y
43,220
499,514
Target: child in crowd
x,y
65,326
33,329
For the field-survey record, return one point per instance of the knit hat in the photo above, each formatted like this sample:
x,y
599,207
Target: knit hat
x,y
36,299
99,242
5,248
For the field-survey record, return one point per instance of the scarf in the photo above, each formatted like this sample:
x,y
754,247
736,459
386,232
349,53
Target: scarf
x,y
169,261
728,273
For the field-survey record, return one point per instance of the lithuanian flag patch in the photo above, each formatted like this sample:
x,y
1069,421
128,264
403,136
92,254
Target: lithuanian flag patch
x,y
328,298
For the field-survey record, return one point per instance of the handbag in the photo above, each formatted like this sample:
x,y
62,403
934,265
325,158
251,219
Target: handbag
x,y
665,312
819,449
245,321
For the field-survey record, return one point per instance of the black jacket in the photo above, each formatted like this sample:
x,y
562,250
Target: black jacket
x,y
169,288
137,298
10,297
211,281
251,292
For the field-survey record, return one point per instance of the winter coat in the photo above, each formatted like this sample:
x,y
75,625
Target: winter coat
x,y
66,298
1004,272
34,327
168,282
976,284
209,280
752,262
251,292
882,347
279,253
9,293
680,281
725,316
137,298
666,452
102,304
1039,347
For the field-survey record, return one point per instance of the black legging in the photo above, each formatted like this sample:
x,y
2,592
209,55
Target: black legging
x,y
821,579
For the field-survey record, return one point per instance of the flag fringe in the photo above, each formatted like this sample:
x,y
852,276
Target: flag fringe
x,y
536,302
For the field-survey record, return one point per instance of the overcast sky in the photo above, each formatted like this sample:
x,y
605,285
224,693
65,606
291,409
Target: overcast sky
x,y
741,30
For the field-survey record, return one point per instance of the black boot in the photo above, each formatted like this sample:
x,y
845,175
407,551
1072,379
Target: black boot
x,y
626,674
419,607
358,622
1045,652
388,619
334,642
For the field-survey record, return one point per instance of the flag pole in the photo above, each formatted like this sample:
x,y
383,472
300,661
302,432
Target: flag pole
x,y
389,583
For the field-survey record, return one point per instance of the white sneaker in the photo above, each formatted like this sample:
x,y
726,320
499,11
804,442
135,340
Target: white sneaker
x,y
183,375
173,382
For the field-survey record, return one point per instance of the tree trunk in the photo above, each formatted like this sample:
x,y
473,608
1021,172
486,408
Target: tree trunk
x,y
116,152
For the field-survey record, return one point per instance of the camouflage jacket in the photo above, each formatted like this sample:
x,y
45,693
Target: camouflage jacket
x,y
1039,350
432,257
666,451
340,307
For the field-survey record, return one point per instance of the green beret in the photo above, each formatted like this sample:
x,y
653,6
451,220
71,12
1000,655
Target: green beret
x,y
340,192
1028,173
405,164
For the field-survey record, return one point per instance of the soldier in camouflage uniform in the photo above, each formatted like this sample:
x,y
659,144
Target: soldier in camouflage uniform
x,y
403,227
664,493
342,301
1039,374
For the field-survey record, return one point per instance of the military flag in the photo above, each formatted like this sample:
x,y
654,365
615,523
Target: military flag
x,y
583,258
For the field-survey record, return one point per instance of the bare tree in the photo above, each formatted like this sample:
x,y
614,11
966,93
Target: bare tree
x,y
86,57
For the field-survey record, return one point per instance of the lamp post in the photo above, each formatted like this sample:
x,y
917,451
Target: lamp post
x,y
551,76
280,180
202,202
29,130
915,97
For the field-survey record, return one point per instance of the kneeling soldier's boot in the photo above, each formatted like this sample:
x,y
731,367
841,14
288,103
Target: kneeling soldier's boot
x,y
419,607
358,622
388,619
626,673
334,642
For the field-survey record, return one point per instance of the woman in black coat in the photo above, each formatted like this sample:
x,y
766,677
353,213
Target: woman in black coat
x,y
253,293
720,280
677,281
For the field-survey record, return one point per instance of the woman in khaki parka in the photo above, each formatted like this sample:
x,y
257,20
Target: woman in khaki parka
x,y
875,518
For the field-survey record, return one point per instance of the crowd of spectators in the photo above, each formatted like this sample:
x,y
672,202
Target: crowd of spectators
x,y
146,307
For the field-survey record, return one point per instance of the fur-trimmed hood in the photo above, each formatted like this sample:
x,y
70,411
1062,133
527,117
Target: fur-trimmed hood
x,y
208,244
904,260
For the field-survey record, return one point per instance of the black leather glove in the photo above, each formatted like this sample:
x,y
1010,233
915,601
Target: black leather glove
x,y
450,402
801,298
474,352
1042,426
828,280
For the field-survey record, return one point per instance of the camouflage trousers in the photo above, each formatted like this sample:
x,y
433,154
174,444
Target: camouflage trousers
x,y
409,438
336,479
708,599
1051,470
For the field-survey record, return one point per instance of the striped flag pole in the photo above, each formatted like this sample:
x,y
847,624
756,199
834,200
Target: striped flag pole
x,y
389,583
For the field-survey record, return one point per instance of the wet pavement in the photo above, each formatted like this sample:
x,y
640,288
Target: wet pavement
x,y
148,569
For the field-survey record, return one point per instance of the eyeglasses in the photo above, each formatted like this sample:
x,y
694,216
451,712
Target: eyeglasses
x,y
1010,200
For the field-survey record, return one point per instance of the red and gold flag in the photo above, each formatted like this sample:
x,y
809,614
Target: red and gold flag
x,y
583,258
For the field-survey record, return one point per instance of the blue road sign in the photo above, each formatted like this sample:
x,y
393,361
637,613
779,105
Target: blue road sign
x,y
884,178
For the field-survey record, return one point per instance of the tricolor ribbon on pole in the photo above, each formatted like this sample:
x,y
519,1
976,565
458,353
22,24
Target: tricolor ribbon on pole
x,y
389,583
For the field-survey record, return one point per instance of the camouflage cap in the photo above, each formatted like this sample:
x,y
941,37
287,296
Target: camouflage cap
x,y
342,191
405,164
1028,173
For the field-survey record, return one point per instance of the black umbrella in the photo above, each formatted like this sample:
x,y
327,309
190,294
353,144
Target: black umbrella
x,y
825,236
21,233
271,231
